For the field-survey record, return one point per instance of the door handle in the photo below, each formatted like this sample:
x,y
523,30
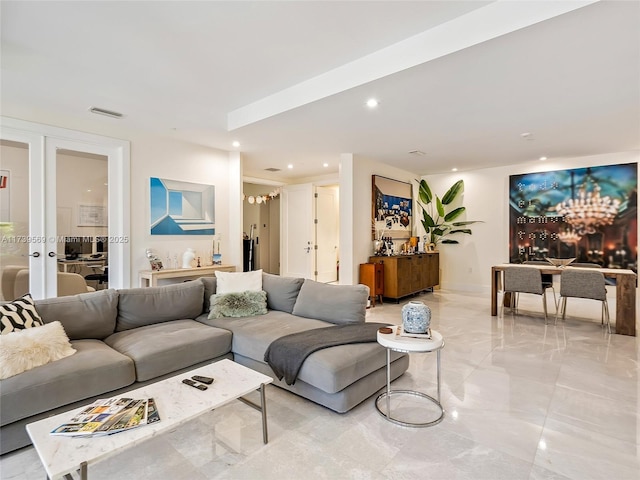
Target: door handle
x,y
34,254
52,254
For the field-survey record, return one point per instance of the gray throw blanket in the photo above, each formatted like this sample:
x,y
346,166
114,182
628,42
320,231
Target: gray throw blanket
x,y
286,355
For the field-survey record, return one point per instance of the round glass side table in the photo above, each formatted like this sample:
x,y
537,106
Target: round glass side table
x,y
398,343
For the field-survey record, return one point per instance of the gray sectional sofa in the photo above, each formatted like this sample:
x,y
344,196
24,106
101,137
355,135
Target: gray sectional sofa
x,y
127,338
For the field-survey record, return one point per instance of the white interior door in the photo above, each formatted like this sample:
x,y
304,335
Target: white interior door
x,y
297,253
327,234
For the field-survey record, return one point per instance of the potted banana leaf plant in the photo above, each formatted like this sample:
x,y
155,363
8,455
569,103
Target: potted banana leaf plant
x,y
438,218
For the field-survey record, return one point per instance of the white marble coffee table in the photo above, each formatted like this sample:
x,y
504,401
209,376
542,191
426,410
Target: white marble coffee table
x,y
177,403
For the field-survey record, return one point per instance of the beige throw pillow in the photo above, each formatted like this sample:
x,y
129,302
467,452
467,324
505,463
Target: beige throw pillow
x,y
238,282
32,347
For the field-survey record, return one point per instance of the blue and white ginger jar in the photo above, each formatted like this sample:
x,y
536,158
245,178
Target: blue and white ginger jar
x,y
416,317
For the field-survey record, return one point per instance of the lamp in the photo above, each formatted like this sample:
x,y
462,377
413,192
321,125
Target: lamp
x,y
588,210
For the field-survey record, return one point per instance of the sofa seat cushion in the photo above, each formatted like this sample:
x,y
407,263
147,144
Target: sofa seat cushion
x,y
169,346
93,370
330,369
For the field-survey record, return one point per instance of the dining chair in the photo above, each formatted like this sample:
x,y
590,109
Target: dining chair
x,y
581,283
547,278
607,281
524,280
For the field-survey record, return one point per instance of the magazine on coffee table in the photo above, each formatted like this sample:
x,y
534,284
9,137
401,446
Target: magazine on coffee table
x,y
109,416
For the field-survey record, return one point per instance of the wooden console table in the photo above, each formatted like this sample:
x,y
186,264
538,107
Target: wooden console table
x,y
625,293
149,278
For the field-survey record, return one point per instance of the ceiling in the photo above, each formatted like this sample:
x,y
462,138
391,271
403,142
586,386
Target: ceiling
x,y
459,81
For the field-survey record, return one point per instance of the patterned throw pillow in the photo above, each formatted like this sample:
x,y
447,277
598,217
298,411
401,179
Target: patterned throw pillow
x,y
18,315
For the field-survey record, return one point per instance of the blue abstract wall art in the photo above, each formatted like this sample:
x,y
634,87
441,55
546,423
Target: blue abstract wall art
x,y
181,208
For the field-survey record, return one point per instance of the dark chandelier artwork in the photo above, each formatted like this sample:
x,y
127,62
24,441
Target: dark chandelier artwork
x,y
589,214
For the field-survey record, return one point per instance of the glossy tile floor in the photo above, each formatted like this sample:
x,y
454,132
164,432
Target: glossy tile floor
x,y
523,401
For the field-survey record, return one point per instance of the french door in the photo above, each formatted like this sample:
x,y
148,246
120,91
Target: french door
x,y
42,213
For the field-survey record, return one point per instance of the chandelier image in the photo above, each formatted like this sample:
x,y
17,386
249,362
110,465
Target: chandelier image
x,y
588,211
569,236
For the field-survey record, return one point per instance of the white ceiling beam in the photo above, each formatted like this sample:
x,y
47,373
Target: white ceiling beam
x,y
493,20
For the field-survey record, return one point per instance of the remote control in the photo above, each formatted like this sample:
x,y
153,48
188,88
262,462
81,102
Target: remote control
x,y
201,379
193,384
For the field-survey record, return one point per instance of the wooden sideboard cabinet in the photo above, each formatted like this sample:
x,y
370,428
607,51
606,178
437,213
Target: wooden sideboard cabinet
x,y
372,275
408,274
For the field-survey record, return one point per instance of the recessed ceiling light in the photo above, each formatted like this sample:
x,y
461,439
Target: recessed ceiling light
x,y
372,103
543,159
527,136
325,165
454,169
236,143
290,166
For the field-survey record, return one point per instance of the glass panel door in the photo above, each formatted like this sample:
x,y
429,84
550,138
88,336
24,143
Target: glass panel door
x,y
14,219
82,221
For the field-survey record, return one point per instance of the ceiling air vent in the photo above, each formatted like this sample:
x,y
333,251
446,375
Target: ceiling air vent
x,y
108,113
417,152
272,169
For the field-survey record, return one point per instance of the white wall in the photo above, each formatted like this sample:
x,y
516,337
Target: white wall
x,y
467,266
363,169
170,159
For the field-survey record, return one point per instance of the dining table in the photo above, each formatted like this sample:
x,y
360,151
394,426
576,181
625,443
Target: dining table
x,y
625,280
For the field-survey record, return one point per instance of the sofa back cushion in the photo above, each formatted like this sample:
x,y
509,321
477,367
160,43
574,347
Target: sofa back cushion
x,y
282,292
83,316
210,288
138,307
339,304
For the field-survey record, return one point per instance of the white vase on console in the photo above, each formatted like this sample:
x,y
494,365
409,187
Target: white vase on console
x,y
188,257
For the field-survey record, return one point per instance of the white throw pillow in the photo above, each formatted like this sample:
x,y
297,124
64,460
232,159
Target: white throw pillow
x,y
32,347
236,282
